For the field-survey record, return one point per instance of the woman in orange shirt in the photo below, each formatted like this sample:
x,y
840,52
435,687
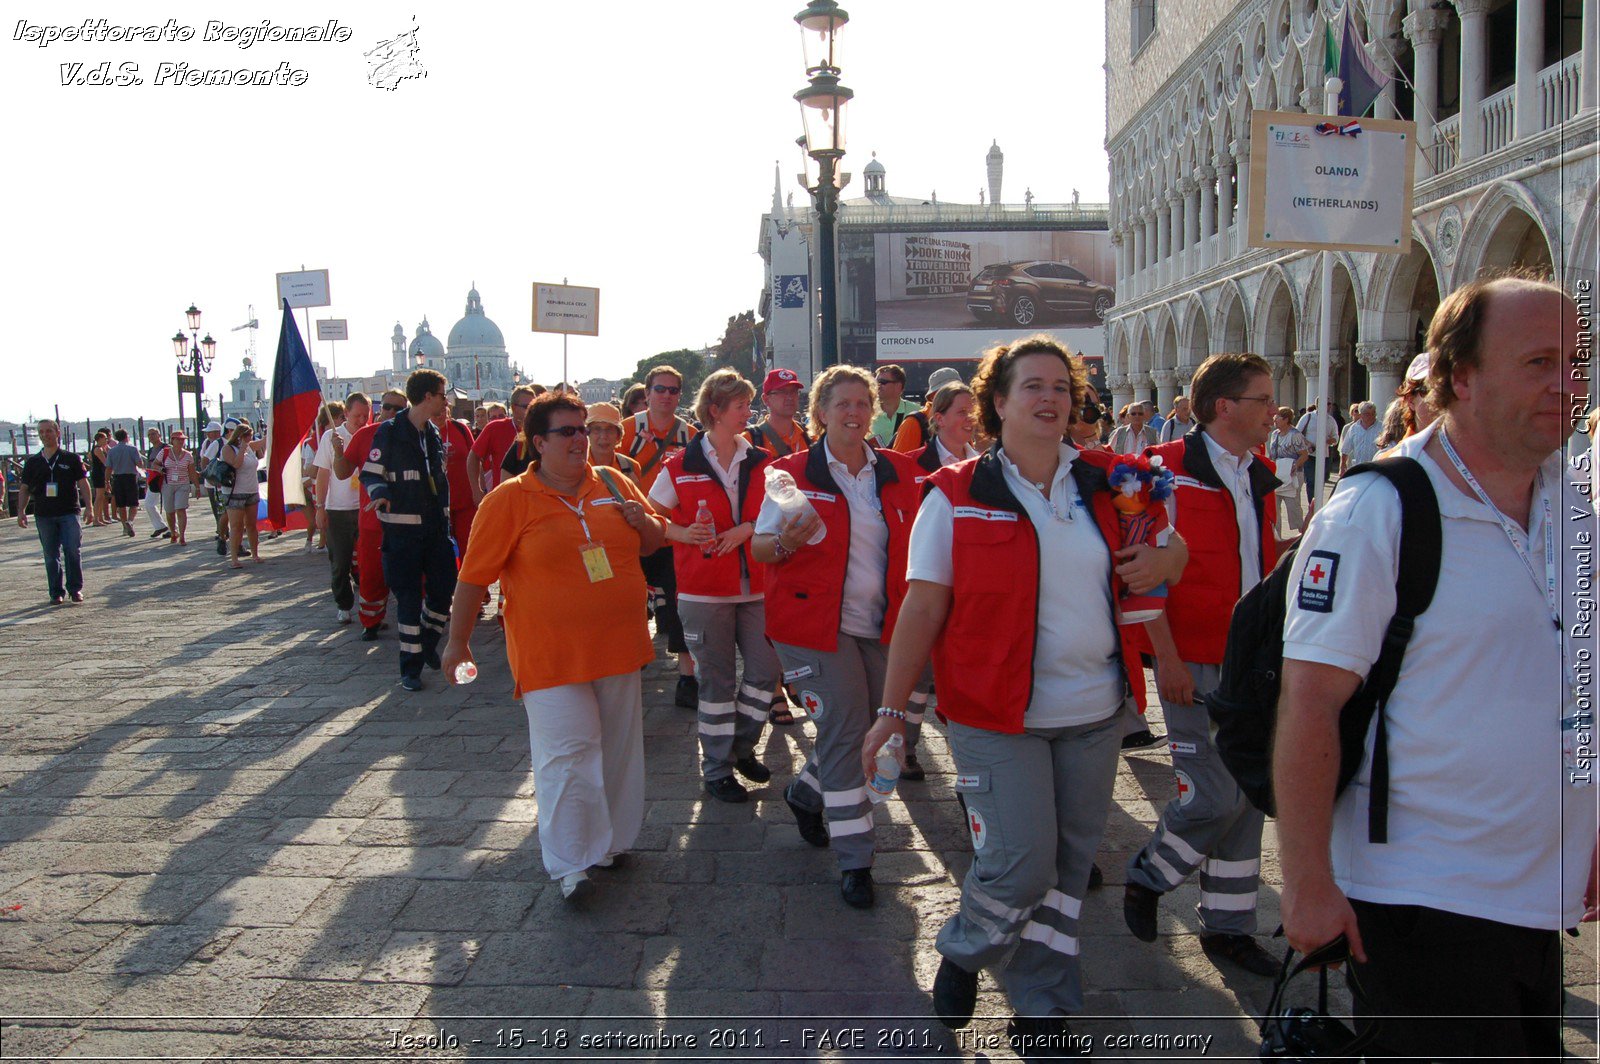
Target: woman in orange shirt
x,y
565,541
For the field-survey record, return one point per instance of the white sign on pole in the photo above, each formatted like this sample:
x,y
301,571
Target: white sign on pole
x,y
333,329
1332,183
562,308
305,288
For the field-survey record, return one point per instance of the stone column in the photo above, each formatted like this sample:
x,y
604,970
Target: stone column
x,y
1166,389
1425,27
1140,250
1120,258
1589,86
1152,246
1385,360
1383,57
1529,115
1224,206
1474,70
1163,239
1240,150
1280,370
1121,393
1307,363
1191,217
1208,214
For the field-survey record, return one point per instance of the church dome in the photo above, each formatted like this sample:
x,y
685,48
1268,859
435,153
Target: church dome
x,y
475,330
873,167
426,345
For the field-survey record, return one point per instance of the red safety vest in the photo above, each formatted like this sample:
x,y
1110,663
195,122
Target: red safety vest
x,y
805,593
983,658
694,479
1200,606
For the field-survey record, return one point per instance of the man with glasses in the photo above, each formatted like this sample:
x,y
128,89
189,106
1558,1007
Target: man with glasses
x,y
1221,505
892,407
404,474
650,437
1136,435
372,593
498,437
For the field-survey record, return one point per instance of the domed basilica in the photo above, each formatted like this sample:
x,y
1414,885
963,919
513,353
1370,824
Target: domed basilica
x,y
473,358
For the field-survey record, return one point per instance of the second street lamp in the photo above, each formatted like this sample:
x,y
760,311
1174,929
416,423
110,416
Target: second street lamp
x,y
194,359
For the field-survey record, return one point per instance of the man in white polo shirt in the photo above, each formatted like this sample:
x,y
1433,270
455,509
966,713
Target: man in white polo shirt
x,y
1454,921
339,502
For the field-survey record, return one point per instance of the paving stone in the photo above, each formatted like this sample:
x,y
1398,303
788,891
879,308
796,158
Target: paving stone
x,y
432,958
260,901
446,906
153,899
572,958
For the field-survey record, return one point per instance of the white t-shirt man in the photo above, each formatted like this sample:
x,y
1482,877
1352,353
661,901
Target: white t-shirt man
x,y
1076,678
342,494
1483,821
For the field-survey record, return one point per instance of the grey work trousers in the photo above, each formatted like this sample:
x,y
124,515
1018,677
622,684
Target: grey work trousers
x,y
1036,808
917,708
731,712
342,533
839,690
1210,825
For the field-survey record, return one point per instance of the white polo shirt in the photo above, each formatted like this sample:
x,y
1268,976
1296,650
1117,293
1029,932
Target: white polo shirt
x,y
1482,821
342,494
1076,679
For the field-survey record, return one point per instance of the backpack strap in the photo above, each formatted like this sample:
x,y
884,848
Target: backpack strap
x,y
1421,543
641,433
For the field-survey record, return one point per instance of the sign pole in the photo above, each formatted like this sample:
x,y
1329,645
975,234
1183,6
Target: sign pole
x,y
563,350
1331,89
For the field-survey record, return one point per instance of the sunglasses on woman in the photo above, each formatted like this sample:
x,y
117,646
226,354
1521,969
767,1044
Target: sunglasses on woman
x,y
566,432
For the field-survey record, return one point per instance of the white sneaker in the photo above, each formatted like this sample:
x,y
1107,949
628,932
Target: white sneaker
x,y
342,616
575,886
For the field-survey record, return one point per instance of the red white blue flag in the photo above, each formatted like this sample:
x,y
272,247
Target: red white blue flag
x,y
296,398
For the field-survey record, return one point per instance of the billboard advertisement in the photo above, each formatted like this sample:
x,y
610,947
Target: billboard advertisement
x,y
943,297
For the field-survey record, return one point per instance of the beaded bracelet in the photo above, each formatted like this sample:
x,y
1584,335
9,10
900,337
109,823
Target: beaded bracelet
x,y
781,550
897,714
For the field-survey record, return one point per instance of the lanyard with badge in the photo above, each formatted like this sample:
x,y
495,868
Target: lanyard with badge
x,y
51,488
595,562
1579,774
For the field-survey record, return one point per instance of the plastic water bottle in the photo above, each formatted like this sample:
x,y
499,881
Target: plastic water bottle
x,y
886,770
466,672
791,501
702,516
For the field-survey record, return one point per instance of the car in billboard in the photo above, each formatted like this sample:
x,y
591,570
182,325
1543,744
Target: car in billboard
x,y
1024,293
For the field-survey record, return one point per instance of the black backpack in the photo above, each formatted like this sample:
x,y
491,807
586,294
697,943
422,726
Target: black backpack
x,y
1244,707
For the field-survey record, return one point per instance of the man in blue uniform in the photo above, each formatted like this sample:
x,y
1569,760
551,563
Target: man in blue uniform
x,y
404,474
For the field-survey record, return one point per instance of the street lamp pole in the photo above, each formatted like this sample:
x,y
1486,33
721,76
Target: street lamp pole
x,y
822,105
194,356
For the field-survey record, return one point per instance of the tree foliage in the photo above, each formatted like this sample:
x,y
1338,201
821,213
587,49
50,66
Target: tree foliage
x,y
689,363
740,346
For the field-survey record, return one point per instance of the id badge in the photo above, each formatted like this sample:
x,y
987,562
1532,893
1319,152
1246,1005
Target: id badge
x,y
51,490
595,562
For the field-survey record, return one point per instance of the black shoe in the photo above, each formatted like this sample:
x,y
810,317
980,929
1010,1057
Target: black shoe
x,y
430,658
1043,1038
955,994
1242,950
727,789
687,695
1143,739
222,547
1097,878
752,770
411,683
913,770
813,826
1139,904
856,887
369,635
56,600
159,533
75,596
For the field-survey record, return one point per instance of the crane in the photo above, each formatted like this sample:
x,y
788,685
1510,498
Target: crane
x,y
252,325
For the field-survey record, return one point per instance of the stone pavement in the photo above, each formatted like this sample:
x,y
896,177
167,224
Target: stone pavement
x,y
226,834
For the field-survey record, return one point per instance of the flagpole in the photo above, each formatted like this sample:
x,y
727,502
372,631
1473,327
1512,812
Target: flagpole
x,y
1331,88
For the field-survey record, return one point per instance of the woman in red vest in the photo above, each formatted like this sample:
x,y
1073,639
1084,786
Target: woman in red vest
x,y
950,418
719,582
1010,574
831,606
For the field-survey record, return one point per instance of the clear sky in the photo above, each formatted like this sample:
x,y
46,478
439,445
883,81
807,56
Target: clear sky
x,y
628,146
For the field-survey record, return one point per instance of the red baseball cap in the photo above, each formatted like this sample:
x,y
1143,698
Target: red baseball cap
x,y
779,379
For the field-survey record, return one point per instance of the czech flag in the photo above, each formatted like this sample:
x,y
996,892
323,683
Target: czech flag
x,y
296,398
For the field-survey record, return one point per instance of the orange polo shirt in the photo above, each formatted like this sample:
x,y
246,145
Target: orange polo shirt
x,y
561,628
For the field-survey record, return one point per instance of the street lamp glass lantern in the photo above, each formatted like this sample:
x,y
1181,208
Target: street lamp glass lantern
x,y
820,24
822,107
180,346
209,346
194,317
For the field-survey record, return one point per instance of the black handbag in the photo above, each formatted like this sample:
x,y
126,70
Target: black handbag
x,y
1300,1033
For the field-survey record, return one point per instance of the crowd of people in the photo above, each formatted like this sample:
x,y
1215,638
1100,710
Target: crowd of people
x,y
974,552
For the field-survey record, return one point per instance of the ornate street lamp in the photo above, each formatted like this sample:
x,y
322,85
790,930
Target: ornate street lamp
x,y
822,108
194,357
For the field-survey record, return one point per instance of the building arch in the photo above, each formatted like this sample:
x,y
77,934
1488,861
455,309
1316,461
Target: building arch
x,y
1581,260
1195,342
1505,229
1347,375
1405,293
1274,331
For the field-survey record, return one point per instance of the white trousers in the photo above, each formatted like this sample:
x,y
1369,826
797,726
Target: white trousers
x,y
587,742
152,510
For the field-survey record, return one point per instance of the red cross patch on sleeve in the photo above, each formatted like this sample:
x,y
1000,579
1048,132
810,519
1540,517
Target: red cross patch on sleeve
x,y
1317,580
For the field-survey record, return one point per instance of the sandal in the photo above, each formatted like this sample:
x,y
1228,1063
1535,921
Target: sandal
x,y
780,716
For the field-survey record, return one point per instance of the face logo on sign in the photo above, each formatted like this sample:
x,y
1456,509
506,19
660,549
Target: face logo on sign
x,y
812,704
1185,788
980,830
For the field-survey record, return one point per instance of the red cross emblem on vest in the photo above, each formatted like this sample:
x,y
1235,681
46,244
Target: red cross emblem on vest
x,y
1183,787
810,702
1317,572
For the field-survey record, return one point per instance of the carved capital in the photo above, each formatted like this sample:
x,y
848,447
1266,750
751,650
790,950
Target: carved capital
x,y
1224,163
1307,361
1116,381
1206,175
1472,8
1185,187
1384,356
1279,364
1425,27
1184,374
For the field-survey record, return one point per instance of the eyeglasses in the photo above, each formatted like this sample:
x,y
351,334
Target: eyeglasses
x,y
1249,398
886,380
391,408
522,406
566,432
665,389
